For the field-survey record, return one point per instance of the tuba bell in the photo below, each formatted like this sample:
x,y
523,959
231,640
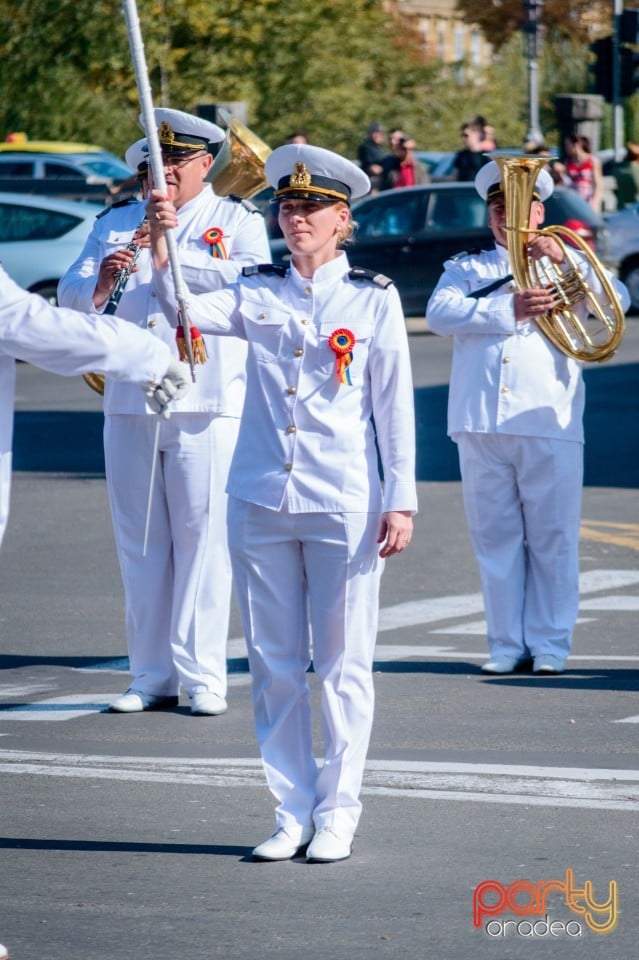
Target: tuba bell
x,y
591,338
239,166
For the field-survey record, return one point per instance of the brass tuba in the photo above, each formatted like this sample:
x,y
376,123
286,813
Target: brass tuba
x,y
239,166
595,337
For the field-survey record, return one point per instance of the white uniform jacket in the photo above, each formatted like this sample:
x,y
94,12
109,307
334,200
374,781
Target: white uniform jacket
x,y
506,377
306,440
63,342
206,265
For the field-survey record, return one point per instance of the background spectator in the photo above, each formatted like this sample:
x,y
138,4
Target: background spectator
x,y
297,136
470,159
581,170
370,155
402,168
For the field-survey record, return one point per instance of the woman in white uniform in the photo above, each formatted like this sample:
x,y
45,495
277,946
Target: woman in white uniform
x,y
328,352
66,342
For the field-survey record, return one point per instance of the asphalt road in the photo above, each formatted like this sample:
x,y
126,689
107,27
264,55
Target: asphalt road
x,y
129,837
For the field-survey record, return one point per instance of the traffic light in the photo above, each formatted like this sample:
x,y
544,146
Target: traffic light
x,y
629,52
601,67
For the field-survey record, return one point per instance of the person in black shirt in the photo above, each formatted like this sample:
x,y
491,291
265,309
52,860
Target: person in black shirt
x,y
370,154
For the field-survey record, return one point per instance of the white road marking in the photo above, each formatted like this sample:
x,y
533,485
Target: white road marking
x,y
412,613
445,653
15,690
415,612
611,602
609,789
591,581
478,627
69,707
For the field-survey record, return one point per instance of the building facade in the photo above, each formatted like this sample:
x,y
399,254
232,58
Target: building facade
x,y
444,36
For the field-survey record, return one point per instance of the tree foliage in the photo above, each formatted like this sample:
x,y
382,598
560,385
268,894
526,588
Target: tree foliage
x,y
561,19
328,66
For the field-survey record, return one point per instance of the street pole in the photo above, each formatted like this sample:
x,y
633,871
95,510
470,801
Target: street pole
x,y
617,105
532,10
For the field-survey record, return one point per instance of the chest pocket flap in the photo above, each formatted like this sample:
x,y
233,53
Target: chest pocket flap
x,y
265,325
362,329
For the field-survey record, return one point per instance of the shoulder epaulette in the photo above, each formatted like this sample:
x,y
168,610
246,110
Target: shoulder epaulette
x,y
112,206
473,252
280,269
245,203
359,273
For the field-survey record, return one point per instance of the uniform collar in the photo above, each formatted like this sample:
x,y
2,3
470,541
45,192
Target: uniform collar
x,y
502,253
327,273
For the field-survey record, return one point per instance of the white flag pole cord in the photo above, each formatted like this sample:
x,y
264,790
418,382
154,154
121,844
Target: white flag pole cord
x,y
155,157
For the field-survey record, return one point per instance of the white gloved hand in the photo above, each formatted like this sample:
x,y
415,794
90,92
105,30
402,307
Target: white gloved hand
x,y
173,386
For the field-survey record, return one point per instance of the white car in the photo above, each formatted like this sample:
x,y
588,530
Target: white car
x,y
40,237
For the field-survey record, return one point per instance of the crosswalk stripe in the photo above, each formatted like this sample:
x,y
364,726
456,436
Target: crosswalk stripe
x,y
587,788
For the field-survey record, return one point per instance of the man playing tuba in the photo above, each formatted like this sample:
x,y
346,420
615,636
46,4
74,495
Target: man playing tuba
x,y
515,412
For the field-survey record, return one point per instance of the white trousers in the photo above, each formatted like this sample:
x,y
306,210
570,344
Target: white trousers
x,y
297,576
5,490
178,596
7,391
522,497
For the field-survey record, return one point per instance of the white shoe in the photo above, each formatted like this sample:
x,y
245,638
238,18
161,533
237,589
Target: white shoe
x,y
284,843
207,704
546,663
329,845
503,664
134,701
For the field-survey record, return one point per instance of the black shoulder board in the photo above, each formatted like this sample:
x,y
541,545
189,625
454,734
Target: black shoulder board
x,y
245,203
278,268
359,273
112,206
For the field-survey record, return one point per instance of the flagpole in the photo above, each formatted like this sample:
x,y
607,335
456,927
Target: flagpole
x,y
136,46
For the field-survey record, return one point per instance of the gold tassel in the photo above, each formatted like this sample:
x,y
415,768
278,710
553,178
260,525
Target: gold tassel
x,y
198,346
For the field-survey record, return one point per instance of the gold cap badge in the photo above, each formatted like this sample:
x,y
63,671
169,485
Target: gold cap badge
x,y
166,137
300,176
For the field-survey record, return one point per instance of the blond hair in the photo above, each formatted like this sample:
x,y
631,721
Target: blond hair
x,y
346,233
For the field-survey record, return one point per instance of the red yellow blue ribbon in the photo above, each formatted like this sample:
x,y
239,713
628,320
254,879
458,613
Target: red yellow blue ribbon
x,y
341,343
214,237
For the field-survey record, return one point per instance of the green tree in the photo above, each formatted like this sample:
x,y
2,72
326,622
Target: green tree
x,y
331,66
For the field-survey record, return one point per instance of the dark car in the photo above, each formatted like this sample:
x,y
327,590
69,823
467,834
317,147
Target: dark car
x,y
408,233
623,227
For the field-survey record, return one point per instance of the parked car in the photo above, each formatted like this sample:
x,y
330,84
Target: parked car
x,y
623,230
40,237
440,164
92,166
407,234
69,171
21,143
